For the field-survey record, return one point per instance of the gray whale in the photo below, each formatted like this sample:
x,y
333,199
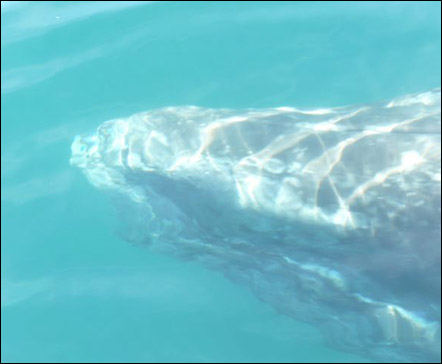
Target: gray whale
x,y
333,216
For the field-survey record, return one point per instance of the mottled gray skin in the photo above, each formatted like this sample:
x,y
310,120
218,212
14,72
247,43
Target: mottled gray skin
x,y
332,215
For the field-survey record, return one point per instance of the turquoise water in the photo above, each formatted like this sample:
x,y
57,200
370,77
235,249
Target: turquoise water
x,y
71,290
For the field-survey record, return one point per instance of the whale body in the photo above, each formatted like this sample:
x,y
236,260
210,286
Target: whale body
x,y
332,216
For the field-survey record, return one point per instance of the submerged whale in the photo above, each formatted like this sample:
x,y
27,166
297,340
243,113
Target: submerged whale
x,y
333,216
